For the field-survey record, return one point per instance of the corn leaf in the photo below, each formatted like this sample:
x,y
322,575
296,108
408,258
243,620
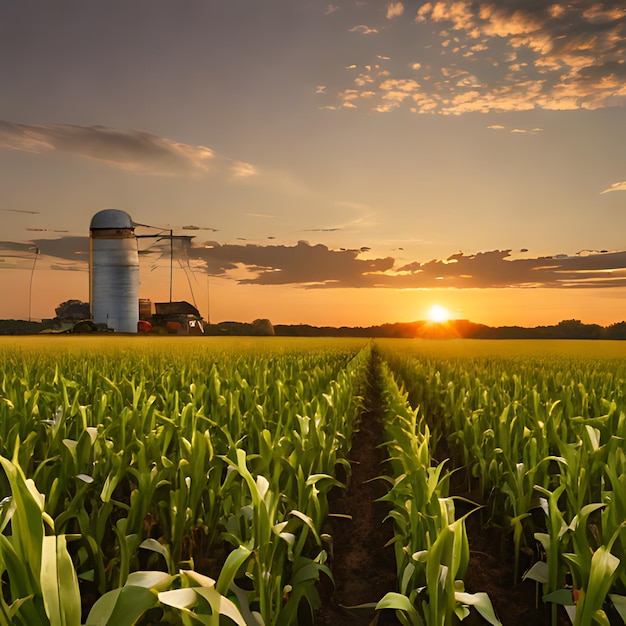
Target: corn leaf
x,y
482,604
398,602
121,607
179,598
230,568
27,522
603,568
158,581
59,584
537,572
220,604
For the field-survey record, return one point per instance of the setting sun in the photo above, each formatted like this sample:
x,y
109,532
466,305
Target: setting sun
x,y
438,314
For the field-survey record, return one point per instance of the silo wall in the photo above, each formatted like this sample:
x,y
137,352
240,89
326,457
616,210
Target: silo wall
x,y
114,277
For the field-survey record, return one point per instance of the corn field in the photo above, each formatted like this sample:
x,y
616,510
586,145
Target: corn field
x,y
187,481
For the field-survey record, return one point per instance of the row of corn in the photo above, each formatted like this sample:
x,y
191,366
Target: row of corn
x,y
541,442
430,543
169,483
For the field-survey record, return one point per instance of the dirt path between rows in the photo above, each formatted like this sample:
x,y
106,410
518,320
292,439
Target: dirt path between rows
x,y
363,568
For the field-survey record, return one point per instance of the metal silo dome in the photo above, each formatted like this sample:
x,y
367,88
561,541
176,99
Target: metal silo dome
x,y
114,271
111,218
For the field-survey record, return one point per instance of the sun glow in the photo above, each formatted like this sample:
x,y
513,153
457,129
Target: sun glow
x,y
438,314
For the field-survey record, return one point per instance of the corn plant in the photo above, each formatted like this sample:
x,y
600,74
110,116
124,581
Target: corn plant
x,y
431,547
188,598
42,585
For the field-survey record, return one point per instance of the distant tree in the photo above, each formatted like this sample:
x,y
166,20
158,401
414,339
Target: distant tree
x,y
575,329
616,331
72,311
263,327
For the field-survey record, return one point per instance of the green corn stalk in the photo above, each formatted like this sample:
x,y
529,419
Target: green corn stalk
x,y
602,573
41,576
554,542
580,560
271,537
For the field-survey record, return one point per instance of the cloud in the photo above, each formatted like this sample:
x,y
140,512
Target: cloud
x,y
20,255
16,246
495,269
69,248
241,169
361,28
194,227
529,55
131,150
317,266
303,264
615,187
331,229
394,9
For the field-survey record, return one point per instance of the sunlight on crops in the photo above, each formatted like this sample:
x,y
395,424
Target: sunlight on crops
x,y
509,348
129,462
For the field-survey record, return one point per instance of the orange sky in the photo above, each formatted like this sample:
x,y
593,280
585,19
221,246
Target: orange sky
x,y
229,301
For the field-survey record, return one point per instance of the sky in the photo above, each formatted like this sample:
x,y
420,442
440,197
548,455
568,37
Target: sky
x,y
345,163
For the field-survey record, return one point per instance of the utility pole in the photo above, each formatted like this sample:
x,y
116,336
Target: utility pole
x,y
208,302
171,261
30,288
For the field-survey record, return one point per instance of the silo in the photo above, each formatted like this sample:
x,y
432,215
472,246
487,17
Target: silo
x,y
114,271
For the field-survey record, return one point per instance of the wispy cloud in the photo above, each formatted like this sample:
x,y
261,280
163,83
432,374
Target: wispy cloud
x,y
528,55
615,187
131,150
363,29
241,169
517,131
194,227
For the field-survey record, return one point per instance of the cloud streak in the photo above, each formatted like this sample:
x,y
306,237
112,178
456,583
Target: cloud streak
x,y
615,187
363,29
499,55
130,150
